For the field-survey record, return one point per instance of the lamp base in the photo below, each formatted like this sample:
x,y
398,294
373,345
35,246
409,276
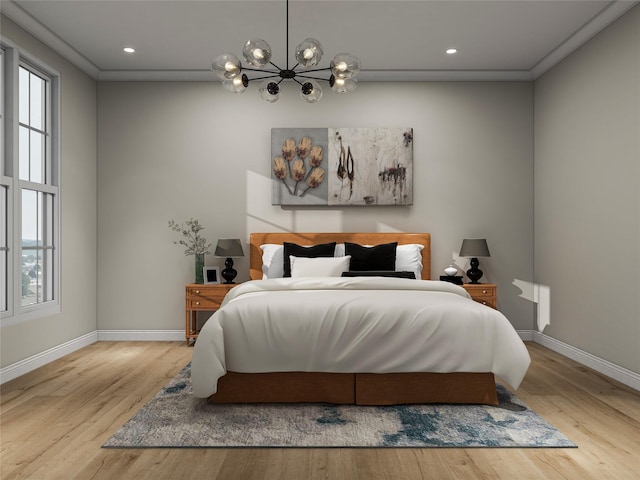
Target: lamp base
x,y
474,273
229,273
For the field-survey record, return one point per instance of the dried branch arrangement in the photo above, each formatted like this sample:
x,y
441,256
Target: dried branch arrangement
x,y
195,243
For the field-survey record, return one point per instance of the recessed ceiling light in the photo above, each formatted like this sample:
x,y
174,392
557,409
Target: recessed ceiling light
x,y
451,51
129,49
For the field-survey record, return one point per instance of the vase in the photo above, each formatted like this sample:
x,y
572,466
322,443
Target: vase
x,y
199,267
451,270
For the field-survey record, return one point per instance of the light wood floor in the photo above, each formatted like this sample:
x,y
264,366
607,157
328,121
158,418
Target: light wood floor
x,y
54,420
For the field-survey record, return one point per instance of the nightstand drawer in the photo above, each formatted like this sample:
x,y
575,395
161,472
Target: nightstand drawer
x,y
205,291
484,293
203,303
206,295
489,302
480,290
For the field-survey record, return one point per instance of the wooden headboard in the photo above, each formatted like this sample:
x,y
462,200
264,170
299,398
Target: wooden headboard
x,y
257,239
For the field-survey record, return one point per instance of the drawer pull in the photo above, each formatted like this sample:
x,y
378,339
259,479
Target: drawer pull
x,y
484,303
197,303
197,291
484,291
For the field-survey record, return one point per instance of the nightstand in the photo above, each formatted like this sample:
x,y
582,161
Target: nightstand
x,y
484,293
202,297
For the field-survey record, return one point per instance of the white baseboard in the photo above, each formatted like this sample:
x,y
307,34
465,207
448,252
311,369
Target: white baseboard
x,y
36,361
140,335
622,375
526,335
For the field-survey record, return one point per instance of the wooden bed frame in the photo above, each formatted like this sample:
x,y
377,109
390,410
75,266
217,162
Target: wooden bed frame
x,y
351,388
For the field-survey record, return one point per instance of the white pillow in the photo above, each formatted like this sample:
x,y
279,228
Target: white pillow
x,y
272,260
319,266
408,257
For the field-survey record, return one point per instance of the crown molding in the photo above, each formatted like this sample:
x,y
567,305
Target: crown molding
x,y
444,75
608,15
363,76
16,13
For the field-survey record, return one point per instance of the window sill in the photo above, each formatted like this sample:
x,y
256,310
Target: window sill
x,y
29,314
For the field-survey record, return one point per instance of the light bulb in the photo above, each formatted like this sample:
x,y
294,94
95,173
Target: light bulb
x,y
227,66
309,52
342,85
345,65
257,52
237,84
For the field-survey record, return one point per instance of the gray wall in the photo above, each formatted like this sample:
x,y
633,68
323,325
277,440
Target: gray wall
x,y
587,194
180,150
168,150
78,214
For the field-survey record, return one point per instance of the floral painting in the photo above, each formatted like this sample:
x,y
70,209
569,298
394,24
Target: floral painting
x,y
342,166
299,166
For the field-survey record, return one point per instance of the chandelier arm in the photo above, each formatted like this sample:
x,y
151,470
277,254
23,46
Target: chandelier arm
x,y
316,70
279,69
312,78
276,72
262,78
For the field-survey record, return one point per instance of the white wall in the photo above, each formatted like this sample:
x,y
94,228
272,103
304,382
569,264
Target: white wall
x,y
180,150
78,212
587,194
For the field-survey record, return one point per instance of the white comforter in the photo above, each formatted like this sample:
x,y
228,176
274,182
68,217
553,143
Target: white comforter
x,y
359,324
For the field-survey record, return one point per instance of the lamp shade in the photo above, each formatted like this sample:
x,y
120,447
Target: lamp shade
x,y
474,247
229,247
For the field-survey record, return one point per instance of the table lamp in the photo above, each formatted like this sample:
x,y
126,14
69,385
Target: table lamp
x,y
229,247
474,247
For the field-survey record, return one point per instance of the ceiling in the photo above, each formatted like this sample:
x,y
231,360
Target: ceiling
x,y
395,40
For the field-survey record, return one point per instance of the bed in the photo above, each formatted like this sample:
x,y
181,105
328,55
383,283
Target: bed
x,y
367,340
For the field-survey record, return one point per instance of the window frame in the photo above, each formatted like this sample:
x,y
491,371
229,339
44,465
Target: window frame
x,y
13,58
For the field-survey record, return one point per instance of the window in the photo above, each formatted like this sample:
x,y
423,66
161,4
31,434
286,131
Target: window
x,y
4,290
29,191
4,212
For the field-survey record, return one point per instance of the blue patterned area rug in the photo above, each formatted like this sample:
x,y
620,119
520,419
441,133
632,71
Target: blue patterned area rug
x,y
175,419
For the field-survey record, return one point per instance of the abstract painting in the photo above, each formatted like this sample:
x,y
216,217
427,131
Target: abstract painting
x,y
342,166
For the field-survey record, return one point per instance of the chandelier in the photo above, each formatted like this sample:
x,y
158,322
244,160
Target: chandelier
x,y
344,67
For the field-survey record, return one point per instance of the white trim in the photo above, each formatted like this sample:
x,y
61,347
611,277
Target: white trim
x,y
364,76
606,17
616,372
445,76
157,76
525,335
36,361
140,335
16,13
620,374
603,19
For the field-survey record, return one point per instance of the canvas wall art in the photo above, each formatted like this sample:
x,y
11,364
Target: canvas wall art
x,y
342,166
